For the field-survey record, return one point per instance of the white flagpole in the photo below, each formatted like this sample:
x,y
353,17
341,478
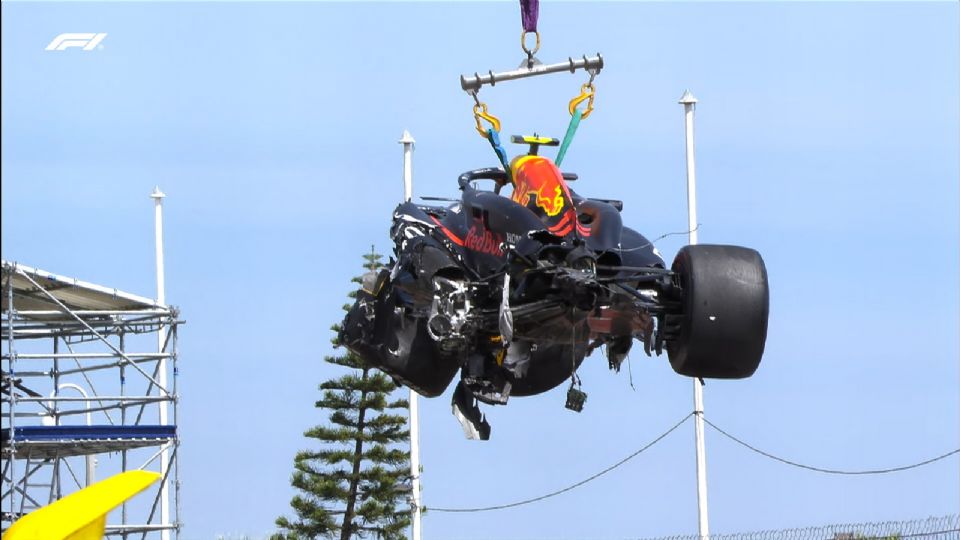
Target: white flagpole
x,y
689,106
407,142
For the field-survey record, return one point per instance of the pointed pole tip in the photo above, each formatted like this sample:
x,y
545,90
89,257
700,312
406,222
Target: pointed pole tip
x,y
687,98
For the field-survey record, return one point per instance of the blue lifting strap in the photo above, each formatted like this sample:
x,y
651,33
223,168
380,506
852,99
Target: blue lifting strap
x,y
494,137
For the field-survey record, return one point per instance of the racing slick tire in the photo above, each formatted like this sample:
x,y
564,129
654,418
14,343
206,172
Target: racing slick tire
x,y
726,302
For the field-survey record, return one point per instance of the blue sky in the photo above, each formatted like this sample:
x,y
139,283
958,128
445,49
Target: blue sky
x,y
827,136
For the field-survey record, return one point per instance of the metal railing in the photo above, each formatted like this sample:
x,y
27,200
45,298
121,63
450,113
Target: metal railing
x,y
933,528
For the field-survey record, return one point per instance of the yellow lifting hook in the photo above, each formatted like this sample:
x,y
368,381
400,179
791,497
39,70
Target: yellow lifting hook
x,y
587,93
480,113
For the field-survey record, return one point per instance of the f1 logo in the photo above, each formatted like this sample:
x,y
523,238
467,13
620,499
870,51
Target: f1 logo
x,y
87,42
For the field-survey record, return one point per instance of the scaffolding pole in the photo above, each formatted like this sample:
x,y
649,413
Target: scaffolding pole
x,y
11,450
157,197
43,452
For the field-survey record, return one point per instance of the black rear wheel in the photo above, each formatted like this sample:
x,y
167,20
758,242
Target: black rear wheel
x,y
726,301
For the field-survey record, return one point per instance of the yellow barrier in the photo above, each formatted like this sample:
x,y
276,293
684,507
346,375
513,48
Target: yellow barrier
x,y
81,515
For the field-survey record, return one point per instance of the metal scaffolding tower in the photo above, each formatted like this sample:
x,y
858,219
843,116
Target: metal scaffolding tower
x,y
84,388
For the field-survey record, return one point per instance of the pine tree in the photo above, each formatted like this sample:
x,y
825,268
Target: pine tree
x,y
355,484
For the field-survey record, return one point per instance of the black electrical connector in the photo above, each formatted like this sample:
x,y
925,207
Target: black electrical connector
x,y
575,399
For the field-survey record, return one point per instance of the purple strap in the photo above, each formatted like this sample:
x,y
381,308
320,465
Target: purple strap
x,y
529,11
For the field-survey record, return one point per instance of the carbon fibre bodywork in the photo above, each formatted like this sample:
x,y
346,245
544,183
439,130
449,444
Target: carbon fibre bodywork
x,y
513,292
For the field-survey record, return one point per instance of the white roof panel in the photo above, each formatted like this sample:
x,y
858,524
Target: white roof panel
x,y
73,293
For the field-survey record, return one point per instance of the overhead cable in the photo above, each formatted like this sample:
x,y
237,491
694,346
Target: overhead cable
x,y
570,487
830,471
668,432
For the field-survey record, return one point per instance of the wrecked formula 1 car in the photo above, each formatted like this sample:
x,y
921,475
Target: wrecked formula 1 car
x,y
515,290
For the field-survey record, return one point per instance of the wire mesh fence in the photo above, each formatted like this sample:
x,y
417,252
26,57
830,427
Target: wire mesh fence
x,y
934,528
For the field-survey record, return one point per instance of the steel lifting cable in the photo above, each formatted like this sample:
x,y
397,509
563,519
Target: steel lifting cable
x,y
570,487
829,471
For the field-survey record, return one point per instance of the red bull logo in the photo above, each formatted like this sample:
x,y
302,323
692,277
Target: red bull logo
x,y
552,204
484,241
538,177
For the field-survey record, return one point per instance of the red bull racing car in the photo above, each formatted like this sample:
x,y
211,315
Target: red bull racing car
x,y
514,289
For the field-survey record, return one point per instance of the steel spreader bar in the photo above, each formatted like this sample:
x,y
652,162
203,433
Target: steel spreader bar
x,y
473,83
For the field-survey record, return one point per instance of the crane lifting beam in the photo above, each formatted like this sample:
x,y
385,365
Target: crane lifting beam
x,y
473,83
